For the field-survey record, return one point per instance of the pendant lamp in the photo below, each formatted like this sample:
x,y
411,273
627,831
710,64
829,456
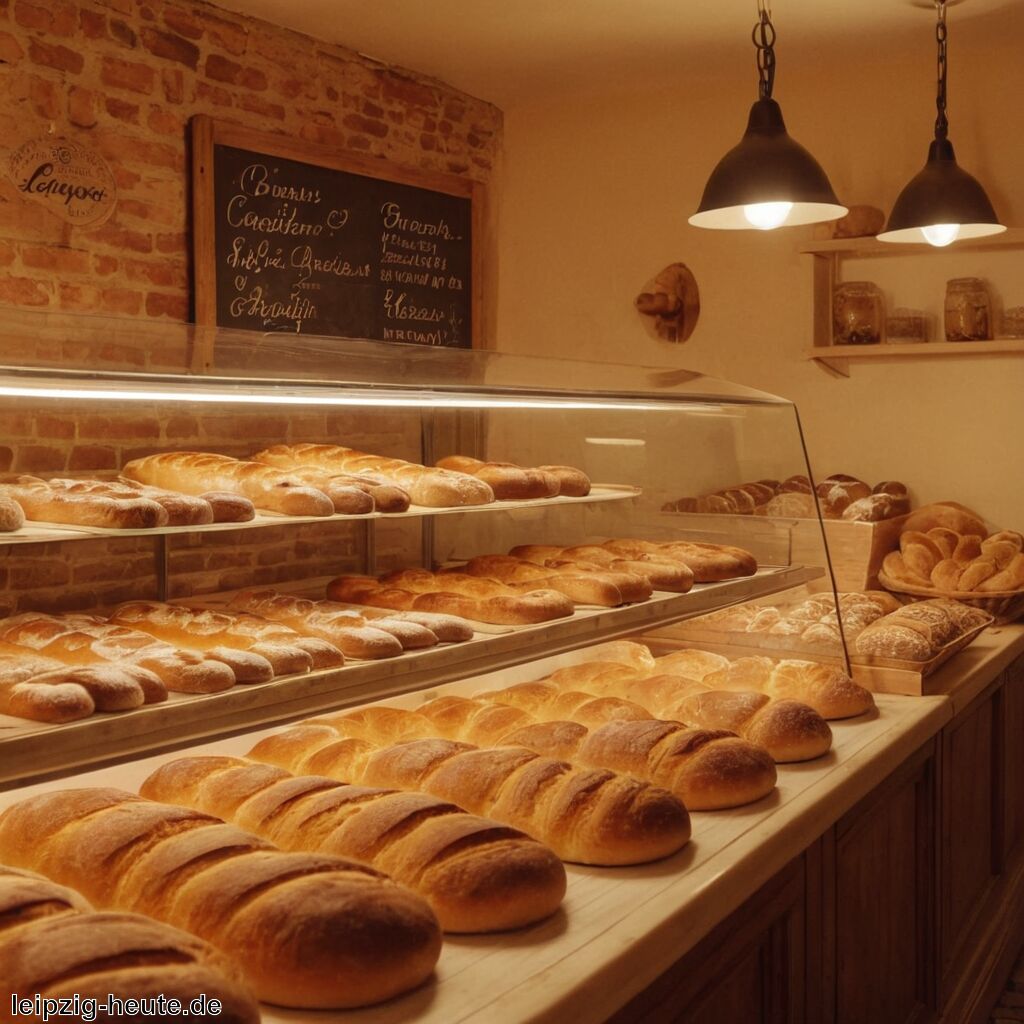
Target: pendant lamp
x,y
942,202
768,180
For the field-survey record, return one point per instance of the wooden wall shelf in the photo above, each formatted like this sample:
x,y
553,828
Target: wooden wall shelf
x,y
932,349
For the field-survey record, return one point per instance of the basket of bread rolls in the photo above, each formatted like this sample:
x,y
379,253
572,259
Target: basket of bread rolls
x,y
947,550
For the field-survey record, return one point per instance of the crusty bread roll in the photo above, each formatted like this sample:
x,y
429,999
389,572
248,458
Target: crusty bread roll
x,y
707,770
876,507
508,481
584,815
199,472
708,562
661,574
53,944
790,505
85,640
477,875
379,494
181,509
482,600
919,631
307,930
435,488
11,515
229,507
449,629
43,503
947,514
581,586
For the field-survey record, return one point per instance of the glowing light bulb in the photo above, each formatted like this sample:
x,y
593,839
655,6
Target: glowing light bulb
x,y
766,216
941,234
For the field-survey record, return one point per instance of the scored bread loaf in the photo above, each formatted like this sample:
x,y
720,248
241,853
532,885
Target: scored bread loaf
x,y
584,815
307,930
596,586
661,574
210,631
84,640
708,562
919,631
477,875
351,632
11,515
199,472
508,481
181,509
707,770
53,944
385,496
483,600
43,503
435,488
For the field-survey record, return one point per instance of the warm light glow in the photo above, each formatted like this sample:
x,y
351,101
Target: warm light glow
x,y
767,215
941,234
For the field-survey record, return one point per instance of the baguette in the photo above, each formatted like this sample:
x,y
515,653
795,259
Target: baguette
x,y
383,495
11,515
483,600
661,574
83,640
54,945
435,488
199,472
708,562
347,630
508,481
43,503
211,631
706,770
449,629
321,653
307,930
587,816
181,509
477,875
229,507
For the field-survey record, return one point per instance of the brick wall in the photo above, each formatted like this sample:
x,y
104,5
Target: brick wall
x,y
124,77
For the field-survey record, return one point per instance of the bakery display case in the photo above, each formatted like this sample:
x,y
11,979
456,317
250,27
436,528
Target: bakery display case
x,y
96,399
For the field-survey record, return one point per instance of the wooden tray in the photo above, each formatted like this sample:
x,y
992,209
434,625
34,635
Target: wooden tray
x,y
1004,605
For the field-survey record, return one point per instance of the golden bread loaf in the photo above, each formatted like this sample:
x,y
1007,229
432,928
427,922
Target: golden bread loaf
x,y
660,573
584,815
919,631
307,930
43,503
53,944
708,562
12,517
434,488
181,509
477,875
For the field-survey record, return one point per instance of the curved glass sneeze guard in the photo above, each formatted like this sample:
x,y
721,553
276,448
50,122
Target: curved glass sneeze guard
x,y
41,344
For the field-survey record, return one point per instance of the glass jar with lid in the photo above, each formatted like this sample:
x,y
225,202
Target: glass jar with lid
x,y
858,313
968,310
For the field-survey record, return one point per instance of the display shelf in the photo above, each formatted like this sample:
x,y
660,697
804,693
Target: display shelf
x,y
32,749
619,928
870,247
35,533
925,350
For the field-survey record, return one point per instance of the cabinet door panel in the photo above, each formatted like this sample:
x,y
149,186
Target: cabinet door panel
x,y
884,901
1013,760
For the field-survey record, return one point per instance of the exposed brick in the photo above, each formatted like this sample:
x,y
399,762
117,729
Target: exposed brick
x,y
121,300
127,74
81,107
169,46
165,273
112,569
221,69
123,427
56,17
10,49
161,304
48,427
358,123
214,93
24,291
93,24
123,34
104,266
39,458
183,23
175,242
45,97
173,82
228,35
122,238
40,572
401,89
92,456
62,260
122,110
81,297
163,122
258,105
7,254
180,427
55,56
6,458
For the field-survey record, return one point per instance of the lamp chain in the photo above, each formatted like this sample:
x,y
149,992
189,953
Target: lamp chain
x,y
941,122
764,39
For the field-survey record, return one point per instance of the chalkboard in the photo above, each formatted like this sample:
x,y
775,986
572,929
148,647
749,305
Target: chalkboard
x,y
296,238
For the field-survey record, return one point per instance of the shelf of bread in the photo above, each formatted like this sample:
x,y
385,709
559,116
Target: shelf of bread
x,y
41,532
618,927
31,749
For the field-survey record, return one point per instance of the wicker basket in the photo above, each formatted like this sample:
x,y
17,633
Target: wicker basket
x,y
1005,605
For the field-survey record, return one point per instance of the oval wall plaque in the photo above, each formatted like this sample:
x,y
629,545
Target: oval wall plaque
x,y
71,181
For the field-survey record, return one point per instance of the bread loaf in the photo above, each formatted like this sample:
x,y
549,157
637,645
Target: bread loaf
x,y
508,481
181,509
477,875
307,930
229,507
52,944
707,770
84,640
918,632
707,562
43,503
661,574
199,472
435,488
11,515
482,600
378,493
584,815
582,586
947,514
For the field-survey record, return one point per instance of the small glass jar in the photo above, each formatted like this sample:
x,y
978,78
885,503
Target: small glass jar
x,y
906,327
858,313
968,310
1013,322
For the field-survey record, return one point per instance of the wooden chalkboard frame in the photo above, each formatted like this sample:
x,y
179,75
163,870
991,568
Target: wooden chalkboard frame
x,y
207,132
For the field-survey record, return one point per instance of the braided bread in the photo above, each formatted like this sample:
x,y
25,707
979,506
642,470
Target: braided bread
x,y
477,876
435,488
53,943
588,816
307,930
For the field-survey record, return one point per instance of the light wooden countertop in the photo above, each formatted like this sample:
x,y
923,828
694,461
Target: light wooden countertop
x,y
622,927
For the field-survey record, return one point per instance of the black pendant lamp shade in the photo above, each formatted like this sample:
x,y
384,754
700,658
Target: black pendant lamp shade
x,y
768,180
767,166
942,202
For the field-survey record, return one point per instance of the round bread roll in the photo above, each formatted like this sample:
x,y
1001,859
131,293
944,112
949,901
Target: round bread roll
x,y
947,514
11,515
893,487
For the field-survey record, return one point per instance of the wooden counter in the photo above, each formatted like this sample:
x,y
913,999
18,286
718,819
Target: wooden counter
x,y
623,928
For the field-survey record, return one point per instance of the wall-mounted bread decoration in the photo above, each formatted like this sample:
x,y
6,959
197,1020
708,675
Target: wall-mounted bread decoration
x,y
669,304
